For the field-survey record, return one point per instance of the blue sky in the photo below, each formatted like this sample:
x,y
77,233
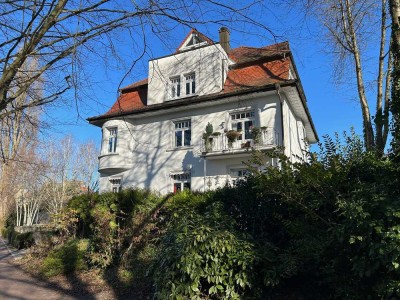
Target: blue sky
x,y
334,108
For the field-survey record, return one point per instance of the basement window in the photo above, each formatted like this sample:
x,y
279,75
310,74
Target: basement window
x,y
115,184
181,181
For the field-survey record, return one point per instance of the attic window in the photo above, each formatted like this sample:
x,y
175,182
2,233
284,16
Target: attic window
x,y
194,41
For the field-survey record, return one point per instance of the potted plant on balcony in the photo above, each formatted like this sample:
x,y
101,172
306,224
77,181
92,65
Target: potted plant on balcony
x,y
232,136
208,137
256,134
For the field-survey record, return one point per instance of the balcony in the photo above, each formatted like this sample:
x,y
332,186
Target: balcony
x,y
262,139
114,163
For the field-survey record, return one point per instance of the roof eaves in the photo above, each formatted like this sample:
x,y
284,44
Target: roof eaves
x,y
191,100
134,85
258,60
303,95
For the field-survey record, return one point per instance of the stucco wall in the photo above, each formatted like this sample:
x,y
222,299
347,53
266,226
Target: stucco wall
x,y
294,137
208,63
146,156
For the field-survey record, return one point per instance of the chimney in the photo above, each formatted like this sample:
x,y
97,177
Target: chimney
x,y
225,39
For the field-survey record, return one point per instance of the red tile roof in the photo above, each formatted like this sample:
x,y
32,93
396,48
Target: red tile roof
x,y
258,75
128,101
247,54
255,68
135,85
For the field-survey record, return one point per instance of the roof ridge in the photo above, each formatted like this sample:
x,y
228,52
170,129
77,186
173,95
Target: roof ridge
x,y
194,30
263,47
136,84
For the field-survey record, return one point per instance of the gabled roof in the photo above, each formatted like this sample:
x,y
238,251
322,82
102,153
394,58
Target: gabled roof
x,y
132,97
257,75
136,84
254,68
243,54
194,31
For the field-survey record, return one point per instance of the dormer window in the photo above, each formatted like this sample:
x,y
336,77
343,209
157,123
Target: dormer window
x,y
175,87
188,86
190,80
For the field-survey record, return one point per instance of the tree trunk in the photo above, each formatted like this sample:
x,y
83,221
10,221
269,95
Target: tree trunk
x,y
367,123
394,8
381,120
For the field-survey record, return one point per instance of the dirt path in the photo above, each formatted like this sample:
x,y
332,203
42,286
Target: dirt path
x,y
17,284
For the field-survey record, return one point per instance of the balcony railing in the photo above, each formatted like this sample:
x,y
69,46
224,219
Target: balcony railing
x,y
266,138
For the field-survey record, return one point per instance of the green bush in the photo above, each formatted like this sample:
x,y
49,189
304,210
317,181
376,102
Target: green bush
x,y
65,258
326,229
22,240
202,256
109,219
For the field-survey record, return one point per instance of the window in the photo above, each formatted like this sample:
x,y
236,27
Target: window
x,y
115,184
190,81
243,122
238,174
194,40
189,86
183,133
112,140
175,87
181,182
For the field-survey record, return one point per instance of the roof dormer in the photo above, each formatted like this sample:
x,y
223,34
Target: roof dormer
x,y
193,40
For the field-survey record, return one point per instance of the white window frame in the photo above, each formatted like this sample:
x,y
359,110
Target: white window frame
x,y
238,173
186,46
181,179
190,84
175,87
243,118
182,127
112,139
115,184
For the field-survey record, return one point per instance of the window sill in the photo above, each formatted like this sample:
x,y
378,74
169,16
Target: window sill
x,y
108,154
181,97
180,148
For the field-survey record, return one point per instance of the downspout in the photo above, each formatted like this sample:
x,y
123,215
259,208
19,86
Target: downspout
x,y
204,172
278,92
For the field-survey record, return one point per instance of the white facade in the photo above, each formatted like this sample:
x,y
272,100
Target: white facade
x,y
164,150
208,63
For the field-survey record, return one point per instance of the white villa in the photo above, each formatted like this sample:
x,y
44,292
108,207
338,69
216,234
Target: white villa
x,y
196,118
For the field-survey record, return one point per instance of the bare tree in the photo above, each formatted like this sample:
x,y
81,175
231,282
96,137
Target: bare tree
x,y
42,41
351,26
86,165
55,32
18,137
27,184
61,175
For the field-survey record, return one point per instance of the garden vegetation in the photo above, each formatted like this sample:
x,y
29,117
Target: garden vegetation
x,y
328,228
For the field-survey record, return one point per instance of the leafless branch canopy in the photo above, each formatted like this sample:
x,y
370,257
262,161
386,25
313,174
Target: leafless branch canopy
x,y
54,31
